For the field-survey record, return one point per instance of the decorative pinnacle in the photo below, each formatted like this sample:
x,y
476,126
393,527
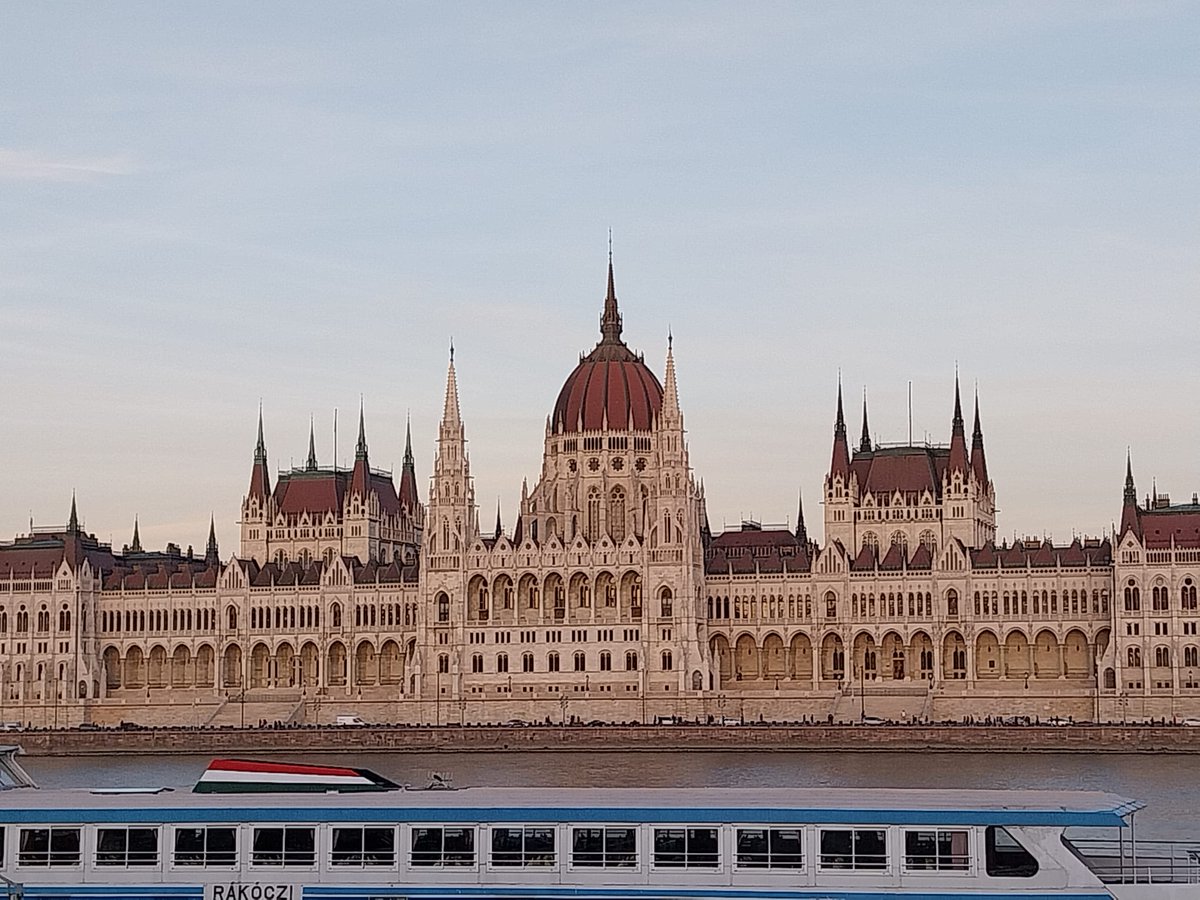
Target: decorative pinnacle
x,y
360,451
311,463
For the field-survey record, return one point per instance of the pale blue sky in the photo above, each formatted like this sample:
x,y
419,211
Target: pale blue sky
x,y
205,205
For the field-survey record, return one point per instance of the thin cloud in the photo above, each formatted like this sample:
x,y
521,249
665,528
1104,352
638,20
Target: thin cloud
x,y
23,165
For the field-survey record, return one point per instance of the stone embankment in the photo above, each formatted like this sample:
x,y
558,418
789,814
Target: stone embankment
x,y
622,738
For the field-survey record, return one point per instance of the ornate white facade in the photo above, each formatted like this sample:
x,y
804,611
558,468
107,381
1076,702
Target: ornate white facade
x,y
610,598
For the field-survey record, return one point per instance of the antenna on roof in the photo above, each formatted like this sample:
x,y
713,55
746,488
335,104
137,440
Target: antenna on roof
x,y
910,412
335,439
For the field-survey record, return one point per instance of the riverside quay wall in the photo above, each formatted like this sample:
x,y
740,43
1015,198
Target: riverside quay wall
x,y
552,738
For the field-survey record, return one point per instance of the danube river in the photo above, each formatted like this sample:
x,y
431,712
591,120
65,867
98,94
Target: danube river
x,y
1168,784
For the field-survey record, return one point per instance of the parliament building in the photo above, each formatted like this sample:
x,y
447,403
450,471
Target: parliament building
x,y
609,598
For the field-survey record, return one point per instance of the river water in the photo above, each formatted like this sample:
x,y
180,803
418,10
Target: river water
x,y
1168,784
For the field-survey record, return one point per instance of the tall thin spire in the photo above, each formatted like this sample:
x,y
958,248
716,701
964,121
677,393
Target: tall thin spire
x,y
958,440
499,526
864,444
1130,517
840,465
450,412
212,554
801,531
1130,490
408,454
610,321
670,403
408,472
136,545
360,449
73,521
978,459
311,463
260,449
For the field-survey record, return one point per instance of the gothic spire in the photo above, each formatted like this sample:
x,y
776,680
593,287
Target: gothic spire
x,y
408,473
260,449
958,440
864,445
360,450
450,412
840,464
670,403
73,521
212,554
408,454
610,321
1130,490
978,460
1130,518
311,463
801,531
136,545
499,527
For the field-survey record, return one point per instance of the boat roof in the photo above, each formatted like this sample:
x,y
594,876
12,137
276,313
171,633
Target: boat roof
x,y
796,806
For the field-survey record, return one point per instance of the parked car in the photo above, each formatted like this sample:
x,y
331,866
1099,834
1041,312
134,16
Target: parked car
x,y
349,720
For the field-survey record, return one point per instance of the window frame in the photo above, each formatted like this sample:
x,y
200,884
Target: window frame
x,y
205,861
968,855
824,867
603,865
523,863
686,864
362,864
740,867
50,830
126,863
441,864
283,863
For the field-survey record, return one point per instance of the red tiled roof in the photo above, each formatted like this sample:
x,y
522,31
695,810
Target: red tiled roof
x,y
904,469
1180,524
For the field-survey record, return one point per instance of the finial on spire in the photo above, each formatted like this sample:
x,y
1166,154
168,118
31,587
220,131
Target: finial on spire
x,y
136,545
958,416
977,433
670,339
260,449
73,521
310,464
452,351
408,454
610,320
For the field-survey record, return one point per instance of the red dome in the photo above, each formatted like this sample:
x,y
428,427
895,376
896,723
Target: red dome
x,y
618,394
611,388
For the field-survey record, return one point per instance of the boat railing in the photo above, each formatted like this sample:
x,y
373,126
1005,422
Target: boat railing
x,y
11,890
1143,862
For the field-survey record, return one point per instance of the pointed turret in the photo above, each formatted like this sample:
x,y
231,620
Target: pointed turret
x,y
451,417
310,465
958,437
136,545
705,528
1130,518
978,460
408,474
73,520
840,464
260,478
212,554
499,526
801,530
864,444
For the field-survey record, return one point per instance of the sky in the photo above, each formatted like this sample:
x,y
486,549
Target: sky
x,y
208,206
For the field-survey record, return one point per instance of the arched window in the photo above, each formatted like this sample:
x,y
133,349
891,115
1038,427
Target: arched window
x,y
443,607
667,661
552,661
830,605
593,515
1162,657
1135,657
580,661
605,661
929,541
1187,595
952,602
901,539
871,539
443,664
335,615
477,663
526,662
631,661
616,514
665,601
502,663
1190,656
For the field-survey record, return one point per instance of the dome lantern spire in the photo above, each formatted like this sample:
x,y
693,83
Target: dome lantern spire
x,y
610,321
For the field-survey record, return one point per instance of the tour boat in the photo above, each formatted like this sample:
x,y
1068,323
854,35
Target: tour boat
x,y
271,831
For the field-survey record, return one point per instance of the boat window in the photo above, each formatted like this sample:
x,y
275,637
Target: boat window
x,y
857,848
1005,857
205,847
49,847
127,846
770,848
283,847
686,848
363,847
443,846
609,848
939,851
529,846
